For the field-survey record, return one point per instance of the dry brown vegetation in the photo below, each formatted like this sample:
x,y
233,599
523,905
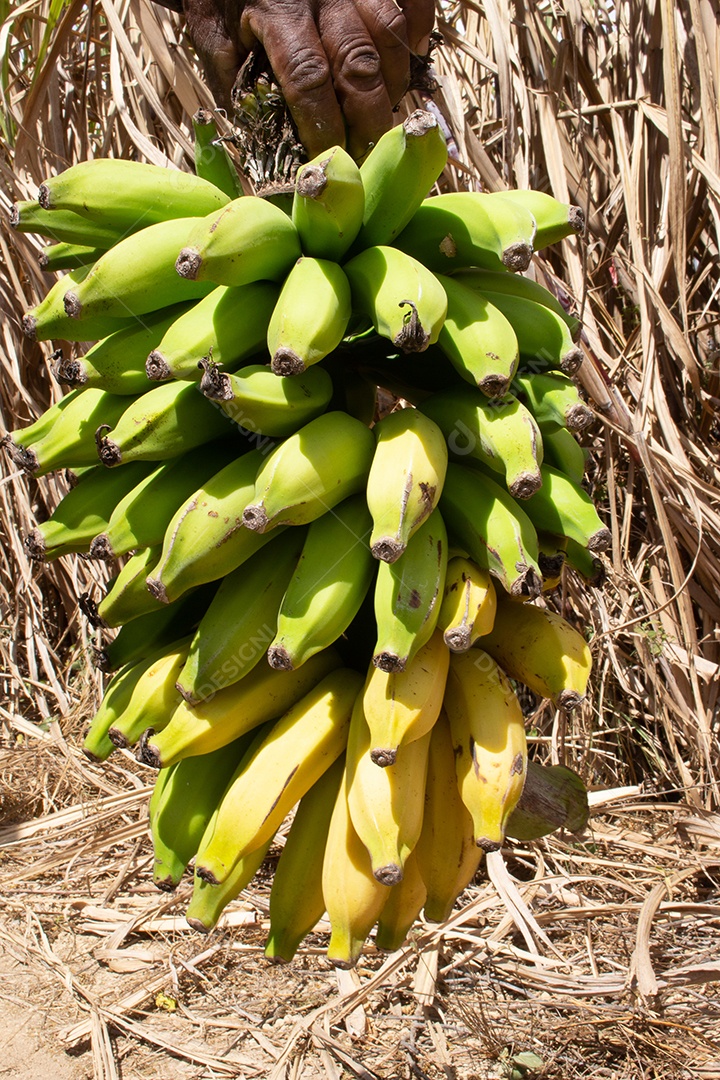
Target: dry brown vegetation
x,y
609,967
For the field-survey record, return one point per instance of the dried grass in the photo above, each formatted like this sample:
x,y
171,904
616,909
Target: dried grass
x,y
616,971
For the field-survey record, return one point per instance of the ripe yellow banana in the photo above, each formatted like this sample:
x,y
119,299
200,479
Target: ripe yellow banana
x,y
488,734
402,907
469,604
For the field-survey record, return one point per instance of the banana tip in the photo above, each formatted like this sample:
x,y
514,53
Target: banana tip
x,y
517,257
568,699
311,182
206,874
188,263
69,372
600,541
255,518
389,662
157,589
29,326
34,545
14,216
571,361
72,304
525,485
187,694
488,845
287,362
117,738
576,219
198,925
101,548
494,385
388,875
44,197
383,756
279,658
148,754
156,367
458,638
388,549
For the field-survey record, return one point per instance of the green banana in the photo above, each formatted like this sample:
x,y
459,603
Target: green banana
x,y
259,401
296,898
386,804
463,228
554,797
500,433
495,531
153,699
488,736
478,339
129,195
446,853
248,240
227,326
586,564
127,597
63,226
302,332
212,161
186,796
562,450
294,754
555,220
563,507
117,362
205,540
170,419
262,695
140,519
71,440
493,281
408,595
553,399
404,301
64,256
239,624
96,744
328,204
402,907
49,319
135,277
541,649
82,512
209,901
405,480
23,438
310,472
397,175
330,581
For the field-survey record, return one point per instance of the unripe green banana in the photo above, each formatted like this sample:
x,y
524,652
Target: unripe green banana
x,y
135,277
488,735
562,450
310,317
402,706
96,744
397,175
542,650
354,898
469,604
212,161
554,797
586,564
564,507
64,256
295,753
154,697
462,228
493,281
117,362
49,318
555,220
227,326
185,798
205,539
386,804
500,433
446,853
22,438
408,595
405,480
259,401
209,901
478,339
262,695
129,195
82,513
310,472
127,597
404,301
140,519
71,441
248,240
63,226
328,586
553,399
240,622
296,897
494,530
170,419
402,908
328,204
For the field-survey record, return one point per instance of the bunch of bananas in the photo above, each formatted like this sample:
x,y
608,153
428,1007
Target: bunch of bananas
x,y
322,605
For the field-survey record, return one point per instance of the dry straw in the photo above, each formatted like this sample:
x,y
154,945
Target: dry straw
x,y
613,106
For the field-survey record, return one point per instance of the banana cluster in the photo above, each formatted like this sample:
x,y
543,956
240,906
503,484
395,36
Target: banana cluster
x,y
321,606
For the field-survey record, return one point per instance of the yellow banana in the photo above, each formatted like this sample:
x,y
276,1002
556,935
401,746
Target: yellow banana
x,y
402,907
469,604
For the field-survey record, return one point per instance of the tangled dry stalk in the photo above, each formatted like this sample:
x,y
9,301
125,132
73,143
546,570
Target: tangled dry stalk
x,y
611,105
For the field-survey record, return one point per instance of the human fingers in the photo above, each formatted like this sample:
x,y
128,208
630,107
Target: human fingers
x,y
387,28
217,49
419,20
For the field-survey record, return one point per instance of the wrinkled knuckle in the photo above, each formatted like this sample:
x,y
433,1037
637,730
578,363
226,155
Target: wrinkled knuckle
x,y
392,34
359,61
310,71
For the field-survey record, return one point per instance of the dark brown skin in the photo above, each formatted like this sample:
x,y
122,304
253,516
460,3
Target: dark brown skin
x,y
342,65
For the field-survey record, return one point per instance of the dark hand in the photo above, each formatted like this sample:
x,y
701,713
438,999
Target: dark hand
x,y
342,64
